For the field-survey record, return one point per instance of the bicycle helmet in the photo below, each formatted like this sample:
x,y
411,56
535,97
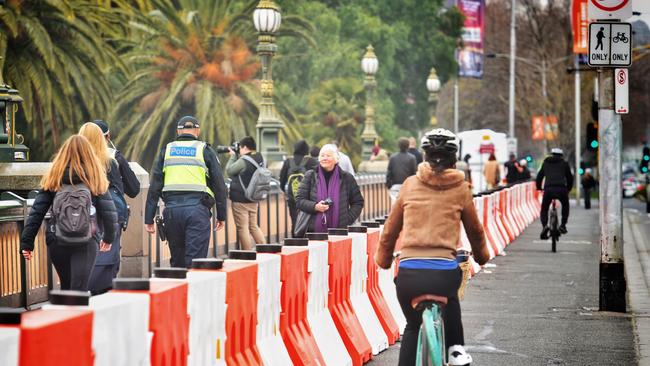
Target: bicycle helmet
x,y
440,140
557,151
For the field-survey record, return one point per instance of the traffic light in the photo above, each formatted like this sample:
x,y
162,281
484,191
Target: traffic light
x,y
581,170
592,136
529,158
645,159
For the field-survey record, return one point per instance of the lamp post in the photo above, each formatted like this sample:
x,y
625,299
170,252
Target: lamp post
x,y
11,142
433,86
267,19
369,65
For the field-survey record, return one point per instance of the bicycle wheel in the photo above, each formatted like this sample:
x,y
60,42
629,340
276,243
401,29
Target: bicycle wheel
x,y
431,342
554,231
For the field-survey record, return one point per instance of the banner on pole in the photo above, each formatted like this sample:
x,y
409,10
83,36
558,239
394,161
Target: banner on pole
x,y
545,129
470,56
580,25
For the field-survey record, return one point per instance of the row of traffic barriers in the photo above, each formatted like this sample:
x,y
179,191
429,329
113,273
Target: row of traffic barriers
x,y
315,301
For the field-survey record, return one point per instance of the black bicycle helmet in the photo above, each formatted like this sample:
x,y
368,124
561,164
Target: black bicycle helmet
x,y
440,140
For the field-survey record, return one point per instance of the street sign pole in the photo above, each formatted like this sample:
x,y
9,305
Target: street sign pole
x,y
610,45
577,130
612,269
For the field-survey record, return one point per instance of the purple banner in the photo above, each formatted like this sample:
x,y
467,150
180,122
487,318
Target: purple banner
x,y
470,56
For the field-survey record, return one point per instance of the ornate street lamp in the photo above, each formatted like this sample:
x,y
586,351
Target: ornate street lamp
x,y
433,85
267,19
11,142
369,65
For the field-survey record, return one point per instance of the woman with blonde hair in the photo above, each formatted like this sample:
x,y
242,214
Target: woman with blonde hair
x,y
77,190
107,264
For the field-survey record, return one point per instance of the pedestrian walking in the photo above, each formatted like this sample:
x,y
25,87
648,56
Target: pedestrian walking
x,y
328,197
512,169
107,264
293,172
427,217
463,166
588,183
240,168
344,161
83,213
188,177
414,150
400,166
491,172
523,171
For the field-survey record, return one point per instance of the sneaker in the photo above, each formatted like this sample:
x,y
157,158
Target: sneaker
x,y
544,233
458,356
563,229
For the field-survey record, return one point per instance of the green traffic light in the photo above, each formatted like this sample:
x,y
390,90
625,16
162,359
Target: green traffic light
x,y
644,169
594,144
646,157
529,158
581,171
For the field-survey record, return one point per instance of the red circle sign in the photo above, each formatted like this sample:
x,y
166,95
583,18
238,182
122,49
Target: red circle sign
x,y
621,77
609,5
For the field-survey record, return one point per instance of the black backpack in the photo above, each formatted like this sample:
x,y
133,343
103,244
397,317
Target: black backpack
x,y
74,216
295,175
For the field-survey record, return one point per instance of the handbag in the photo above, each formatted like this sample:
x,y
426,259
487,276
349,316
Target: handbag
x,y
302,224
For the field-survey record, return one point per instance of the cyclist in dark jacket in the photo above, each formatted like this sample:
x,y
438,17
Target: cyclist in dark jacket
x,y
558,180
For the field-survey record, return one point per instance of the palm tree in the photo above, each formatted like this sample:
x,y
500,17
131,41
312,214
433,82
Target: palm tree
x,y
191,57
337,104
53,53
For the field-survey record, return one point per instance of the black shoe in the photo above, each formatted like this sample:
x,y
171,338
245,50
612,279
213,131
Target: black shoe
x,y
544,234
563,229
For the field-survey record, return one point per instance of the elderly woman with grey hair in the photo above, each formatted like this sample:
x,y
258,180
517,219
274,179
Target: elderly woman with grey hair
x,y
328,197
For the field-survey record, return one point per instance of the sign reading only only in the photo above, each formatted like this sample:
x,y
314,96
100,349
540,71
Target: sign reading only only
x,y
610,44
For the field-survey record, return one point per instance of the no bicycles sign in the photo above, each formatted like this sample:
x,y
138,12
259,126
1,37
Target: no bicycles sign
x,y
609,9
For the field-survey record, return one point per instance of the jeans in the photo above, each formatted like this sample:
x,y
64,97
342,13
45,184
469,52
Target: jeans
x,y
414,282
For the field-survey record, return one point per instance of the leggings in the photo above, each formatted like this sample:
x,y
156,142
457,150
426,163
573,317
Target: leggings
x,y
414,282
74,264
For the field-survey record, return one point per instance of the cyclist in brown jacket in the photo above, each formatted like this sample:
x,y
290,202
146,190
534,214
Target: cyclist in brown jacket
x,y
428,213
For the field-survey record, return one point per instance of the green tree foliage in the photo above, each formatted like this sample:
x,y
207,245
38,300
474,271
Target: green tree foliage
x,y
192,57
54,54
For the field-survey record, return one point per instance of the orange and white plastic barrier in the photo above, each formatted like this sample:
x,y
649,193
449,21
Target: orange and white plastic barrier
x,y
316,301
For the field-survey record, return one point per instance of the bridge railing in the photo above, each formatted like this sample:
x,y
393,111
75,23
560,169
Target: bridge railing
x,y
24,283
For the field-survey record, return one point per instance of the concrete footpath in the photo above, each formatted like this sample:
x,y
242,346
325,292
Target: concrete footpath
x,y
535,307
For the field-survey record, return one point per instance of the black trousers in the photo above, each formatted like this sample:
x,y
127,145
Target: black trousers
x,y
74,264
587,193
293,212
188,233
414,282
560,194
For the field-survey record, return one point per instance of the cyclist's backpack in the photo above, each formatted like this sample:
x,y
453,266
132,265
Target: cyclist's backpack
x,y
260,184
73,215
295,175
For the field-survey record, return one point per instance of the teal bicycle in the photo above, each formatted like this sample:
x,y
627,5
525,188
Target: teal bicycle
x,y
431,340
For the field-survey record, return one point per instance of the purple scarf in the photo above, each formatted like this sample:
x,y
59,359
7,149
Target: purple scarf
x,y
330,218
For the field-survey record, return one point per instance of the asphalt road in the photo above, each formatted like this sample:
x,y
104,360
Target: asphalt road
x,y
540,308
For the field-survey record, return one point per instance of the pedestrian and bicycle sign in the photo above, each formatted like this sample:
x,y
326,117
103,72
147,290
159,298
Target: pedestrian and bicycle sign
x,y
610,44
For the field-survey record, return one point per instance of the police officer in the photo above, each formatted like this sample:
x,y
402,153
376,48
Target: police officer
x,y
188,176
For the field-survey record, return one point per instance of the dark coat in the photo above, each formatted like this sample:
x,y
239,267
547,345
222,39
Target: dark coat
x,y
555,172
401,166
106,216
350,199
214,180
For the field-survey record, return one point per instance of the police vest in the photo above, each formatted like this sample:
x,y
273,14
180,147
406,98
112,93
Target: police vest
x,y
184,167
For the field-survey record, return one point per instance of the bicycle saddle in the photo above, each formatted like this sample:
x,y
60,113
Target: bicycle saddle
x,y
423,300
